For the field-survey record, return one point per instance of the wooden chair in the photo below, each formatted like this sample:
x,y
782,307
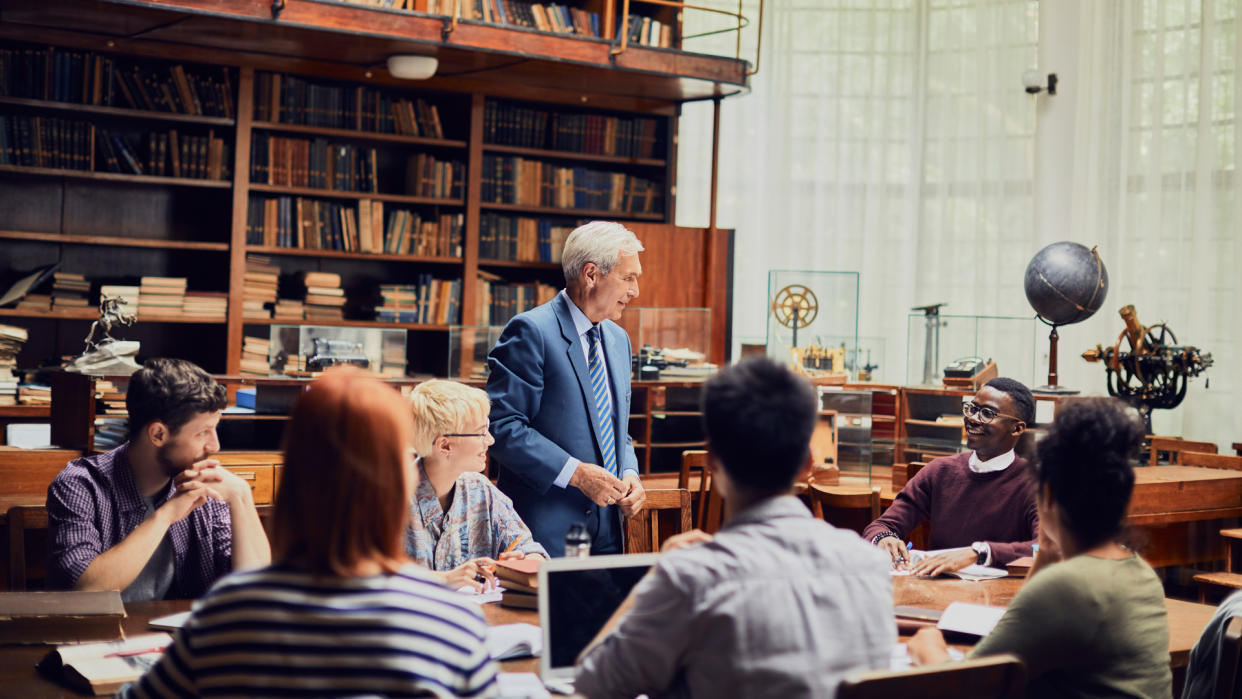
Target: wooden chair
x,y
998,676
642,531
1195,458
23,559
1230,657
693,463
843,508
1175,447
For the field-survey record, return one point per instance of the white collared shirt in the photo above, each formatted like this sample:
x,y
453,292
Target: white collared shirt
x,y
996,463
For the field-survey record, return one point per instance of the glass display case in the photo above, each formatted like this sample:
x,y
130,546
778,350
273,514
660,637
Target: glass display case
x,y
298,350
865,363
937,342
813,322
669,343
469,346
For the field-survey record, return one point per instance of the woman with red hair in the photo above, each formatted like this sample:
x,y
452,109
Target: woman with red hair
x,y
342,611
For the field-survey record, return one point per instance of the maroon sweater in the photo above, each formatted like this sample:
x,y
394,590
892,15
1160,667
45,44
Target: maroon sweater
x,y
964,507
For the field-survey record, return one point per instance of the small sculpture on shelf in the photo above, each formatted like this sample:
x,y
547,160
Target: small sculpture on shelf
x,y
107,355
1152,371
331,352
651,363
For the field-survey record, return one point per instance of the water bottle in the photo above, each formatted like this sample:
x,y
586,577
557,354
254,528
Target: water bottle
x,y
577,541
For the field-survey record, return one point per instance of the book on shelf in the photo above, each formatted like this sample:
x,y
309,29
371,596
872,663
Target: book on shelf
x,y
428,176
288,99
315,163
254,356
104,668
526,182
70,290
546,17
60,617
430,300
520,238
512,124
297,222
84,77
37,141
499,302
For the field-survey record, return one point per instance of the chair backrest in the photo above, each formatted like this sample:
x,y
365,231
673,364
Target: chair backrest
x,y
26,473
904,473
996,676
1196,458
711,505
643,529
1230,656
1175,447
693,462
23,559
833,504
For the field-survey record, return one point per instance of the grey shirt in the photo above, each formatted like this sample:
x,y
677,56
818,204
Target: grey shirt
x,y
779,604
157,575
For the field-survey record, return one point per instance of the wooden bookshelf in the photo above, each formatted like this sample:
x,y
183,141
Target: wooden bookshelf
x,y
175,219
578,213
118,112
357,135
115,177
114,241
570,155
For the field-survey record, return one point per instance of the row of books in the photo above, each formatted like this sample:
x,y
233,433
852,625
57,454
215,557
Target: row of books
x,y
299,162
500,301
520,238
546,17
167,154
45,142
33,141
646,31
80,77
430,300
288,99
516,180
168,296
509,124
428,176
297,222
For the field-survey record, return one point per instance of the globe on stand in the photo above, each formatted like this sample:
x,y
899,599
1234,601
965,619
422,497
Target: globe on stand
x,y
1065,283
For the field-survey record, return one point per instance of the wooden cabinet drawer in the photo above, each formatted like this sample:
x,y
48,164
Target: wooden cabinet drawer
x,y
259,476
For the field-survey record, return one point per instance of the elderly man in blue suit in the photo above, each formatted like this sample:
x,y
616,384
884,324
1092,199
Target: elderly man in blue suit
x,y
560,389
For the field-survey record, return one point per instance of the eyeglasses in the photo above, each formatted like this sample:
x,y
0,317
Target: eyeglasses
x,y
983,413
486,431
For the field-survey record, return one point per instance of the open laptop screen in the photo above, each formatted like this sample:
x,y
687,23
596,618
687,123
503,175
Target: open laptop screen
x,y
576,598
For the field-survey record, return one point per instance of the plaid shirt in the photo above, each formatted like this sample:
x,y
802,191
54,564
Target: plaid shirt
x,y
94,503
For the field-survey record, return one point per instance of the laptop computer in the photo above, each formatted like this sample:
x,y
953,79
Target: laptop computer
x,y
577,596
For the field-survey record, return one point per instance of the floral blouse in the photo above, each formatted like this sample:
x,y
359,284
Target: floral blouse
x,y
480,522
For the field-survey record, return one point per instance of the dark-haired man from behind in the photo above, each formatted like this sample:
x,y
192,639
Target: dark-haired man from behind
x,y
777,604
981,503
155,518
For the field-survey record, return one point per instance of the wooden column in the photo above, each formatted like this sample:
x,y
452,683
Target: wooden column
x,y
237,240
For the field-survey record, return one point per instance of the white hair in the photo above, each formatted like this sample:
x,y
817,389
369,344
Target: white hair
x,y
601,242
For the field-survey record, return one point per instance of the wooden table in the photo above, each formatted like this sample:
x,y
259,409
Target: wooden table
x,y
1186,623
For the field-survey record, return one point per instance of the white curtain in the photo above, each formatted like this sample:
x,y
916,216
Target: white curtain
x,y
893,138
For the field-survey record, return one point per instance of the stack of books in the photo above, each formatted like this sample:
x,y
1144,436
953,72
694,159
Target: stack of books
x,y
206,305
292,310
111,416
34,394
70,291
325,299
392,360
255,351
128,295
398,303
109,399
262,279
11,340
158,295
520,580
38,303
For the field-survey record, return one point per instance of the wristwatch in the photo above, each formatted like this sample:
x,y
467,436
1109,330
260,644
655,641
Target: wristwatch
x,y
982,551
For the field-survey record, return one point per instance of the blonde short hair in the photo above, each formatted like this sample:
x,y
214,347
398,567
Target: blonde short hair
x,y
441,407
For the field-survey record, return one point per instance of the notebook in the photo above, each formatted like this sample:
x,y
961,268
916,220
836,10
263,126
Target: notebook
x,y
577,596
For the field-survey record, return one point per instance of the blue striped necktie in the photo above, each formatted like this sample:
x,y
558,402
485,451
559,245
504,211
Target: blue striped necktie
x,y
603,404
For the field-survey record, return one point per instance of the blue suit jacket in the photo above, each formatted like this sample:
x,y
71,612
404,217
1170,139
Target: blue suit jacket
x,y
543,412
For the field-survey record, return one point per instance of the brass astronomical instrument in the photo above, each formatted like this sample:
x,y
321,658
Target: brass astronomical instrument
x,y
1146,367
795,307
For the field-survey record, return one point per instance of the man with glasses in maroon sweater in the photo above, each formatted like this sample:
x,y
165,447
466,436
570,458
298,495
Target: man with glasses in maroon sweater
x,y
981,503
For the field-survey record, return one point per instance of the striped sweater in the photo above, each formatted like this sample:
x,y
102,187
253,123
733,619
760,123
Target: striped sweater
x,y
282,632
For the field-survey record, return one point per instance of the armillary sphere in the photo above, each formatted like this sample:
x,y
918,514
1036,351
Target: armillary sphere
x,y
795,306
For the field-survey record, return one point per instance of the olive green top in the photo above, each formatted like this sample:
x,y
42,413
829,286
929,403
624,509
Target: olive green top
x,y
1089,627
